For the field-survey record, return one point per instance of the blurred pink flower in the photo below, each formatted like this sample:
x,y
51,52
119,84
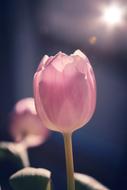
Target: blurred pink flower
x,y
25,125
65,91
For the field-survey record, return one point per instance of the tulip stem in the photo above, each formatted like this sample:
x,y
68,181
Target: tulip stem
x,y
69,161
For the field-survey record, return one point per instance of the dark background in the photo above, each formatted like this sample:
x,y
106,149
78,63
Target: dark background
x,y
30,29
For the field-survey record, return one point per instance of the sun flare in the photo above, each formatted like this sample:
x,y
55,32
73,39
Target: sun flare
x,y
113,15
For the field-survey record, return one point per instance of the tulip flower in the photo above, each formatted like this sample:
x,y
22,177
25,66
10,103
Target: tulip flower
x,y
25,125
65,92
65,97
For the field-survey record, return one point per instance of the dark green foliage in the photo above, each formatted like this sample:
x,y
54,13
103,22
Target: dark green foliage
x,y
85,182
31,178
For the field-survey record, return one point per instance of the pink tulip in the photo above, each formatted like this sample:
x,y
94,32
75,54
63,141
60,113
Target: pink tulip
x,y
25,125
65,91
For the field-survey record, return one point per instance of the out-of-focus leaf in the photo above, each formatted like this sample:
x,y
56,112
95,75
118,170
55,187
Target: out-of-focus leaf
x,y
31,179
13,157
85,182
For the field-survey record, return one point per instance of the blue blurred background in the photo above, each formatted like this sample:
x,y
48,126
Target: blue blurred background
x,y
30,29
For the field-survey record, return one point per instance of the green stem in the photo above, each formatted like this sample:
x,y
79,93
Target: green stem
x,y
69,161
49,186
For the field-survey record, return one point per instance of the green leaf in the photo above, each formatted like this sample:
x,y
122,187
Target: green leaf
x,y
31,179
13,157
85,182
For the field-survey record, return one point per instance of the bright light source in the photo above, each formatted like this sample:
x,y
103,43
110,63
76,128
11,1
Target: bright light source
x,y
113,15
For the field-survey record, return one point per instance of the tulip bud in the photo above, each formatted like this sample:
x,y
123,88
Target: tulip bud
x,y
25,125
65,91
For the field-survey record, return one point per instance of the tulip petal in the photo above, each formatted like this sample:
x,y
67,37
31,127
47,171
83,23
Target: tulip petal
x,y
79,53
39,107
43,62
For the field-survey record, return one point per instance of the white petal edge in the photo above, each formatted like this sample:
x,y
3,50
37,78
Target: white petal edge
x,y
79,53
32,171
44,59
